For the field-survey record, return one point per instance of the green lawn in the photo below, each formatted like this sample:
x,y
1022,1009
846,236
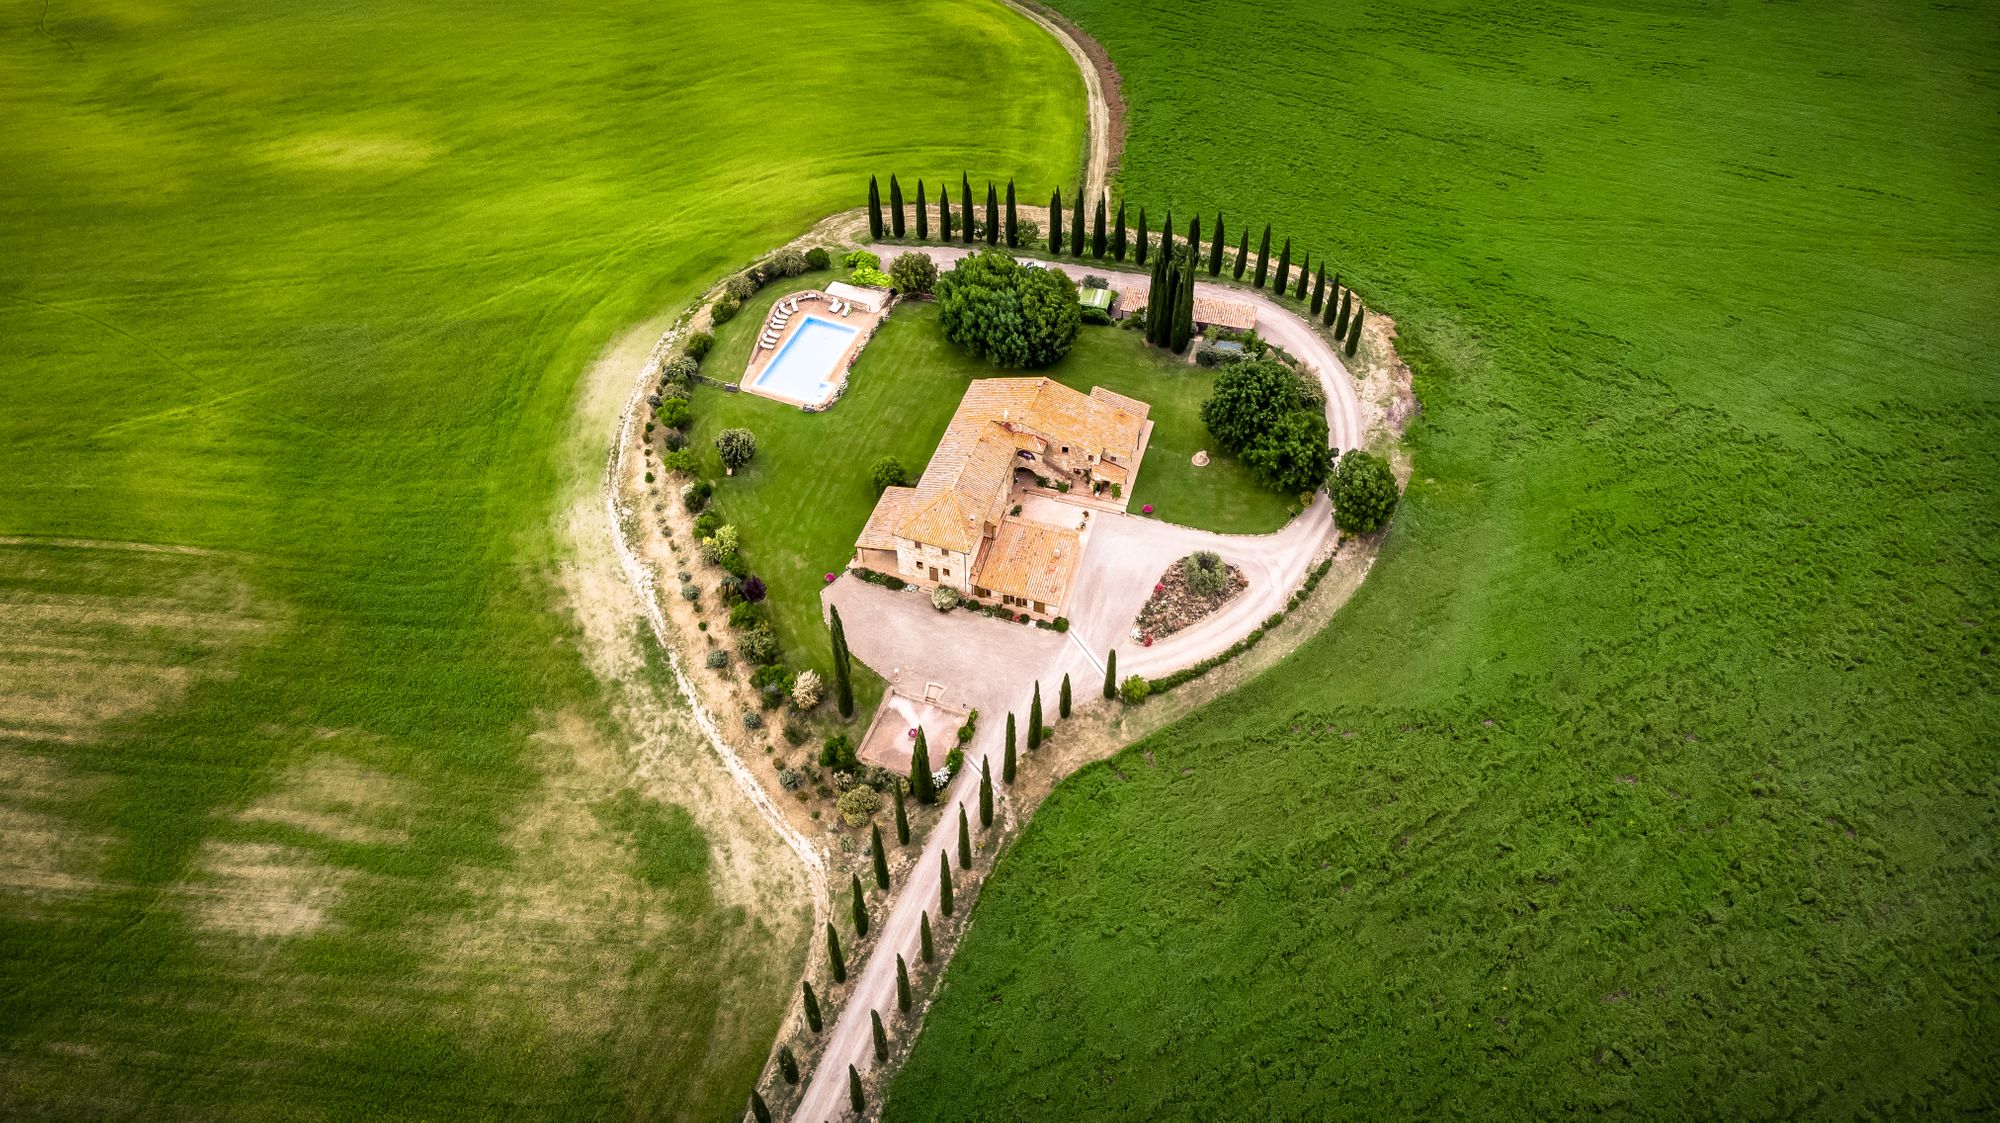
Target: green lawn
x,y
804,499
1651,772
310,287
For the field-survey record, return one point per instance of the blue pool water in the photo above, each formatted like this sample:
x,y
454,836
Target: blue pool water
x,y
805,368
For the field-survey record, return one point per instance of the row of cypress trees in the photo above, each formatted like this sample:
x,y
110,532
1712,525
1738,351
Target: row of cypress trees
x,y
920,775
1117,245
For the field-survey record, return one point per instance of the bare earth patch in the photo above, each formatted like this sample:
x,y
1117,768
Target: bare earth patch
x,y
339,799
44,860
263,890
93,633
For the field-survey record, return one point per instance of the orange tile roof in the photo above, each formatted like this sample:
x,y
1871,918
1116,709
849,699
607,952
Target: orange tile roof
x,y
1237,314
967,483
1032,560
880,533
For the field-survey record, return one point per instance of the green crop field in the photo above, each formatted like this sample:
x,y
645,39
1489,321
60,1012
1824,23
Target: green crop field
x,y
309,805
799,512
1652,772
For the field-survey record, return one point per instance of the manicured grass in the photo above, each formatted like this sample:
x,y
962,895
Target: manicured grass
x,y
311,287
1650,773
801,503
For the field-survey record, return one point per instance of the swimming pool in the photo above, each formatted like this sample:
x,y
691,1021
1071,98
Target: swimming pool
x,y
806,368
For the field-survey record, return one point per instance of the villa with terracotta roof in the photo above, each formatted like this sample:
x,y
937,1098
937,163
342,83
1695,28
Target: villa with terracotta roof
x,y
956,527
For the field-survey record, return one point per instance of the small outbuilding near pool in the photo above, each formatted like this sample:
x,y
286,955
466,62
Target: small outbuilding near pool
x,y
868,300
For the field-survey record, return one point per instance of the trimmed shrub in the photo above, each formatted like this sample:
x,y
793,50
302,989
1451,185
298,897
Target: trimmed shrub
x,y
681,369
740,286
944,598
725,310
913,274
753,720
818,259
785,263
758,645
858,804
807,690
674,413
838,752
1134,690
697,345
694,496
718,659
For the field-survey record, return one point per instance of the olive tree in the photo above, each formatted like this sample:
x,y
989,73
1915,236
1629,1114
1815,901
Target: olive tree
x,y
736,447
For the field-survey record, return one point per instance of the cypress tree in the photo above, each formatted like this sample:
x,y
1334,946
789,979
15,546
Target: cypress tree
x,y
1111,674
881,858
903,1000
1142,248
964,840
1215,247
1319,289
902,819
788,1065
759,1110
812,1008
1284,268
1332,303
1194,238
923,215
1010,731
965,207
1167,238
860,907
944,212
1035,720
985,793
992,215
1118,235
833,956
881,1037
843,681
1097,243
1156,301
1062,700
1076,225
924,936
1354,331
944,884
1305,268
895,206
1184,309
855,1099
1055,221
1340,324
1242,253
921,784
874,209
1007,763
1264,257
1013,220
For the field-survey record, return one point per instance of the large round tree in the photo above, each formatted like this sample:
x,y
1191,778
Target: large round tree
x,y
1007,314
1248,400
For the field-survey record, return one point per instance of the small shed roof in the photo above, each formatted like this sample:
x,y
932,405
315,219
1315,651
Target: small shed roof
x,y
1095,298
1238,314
